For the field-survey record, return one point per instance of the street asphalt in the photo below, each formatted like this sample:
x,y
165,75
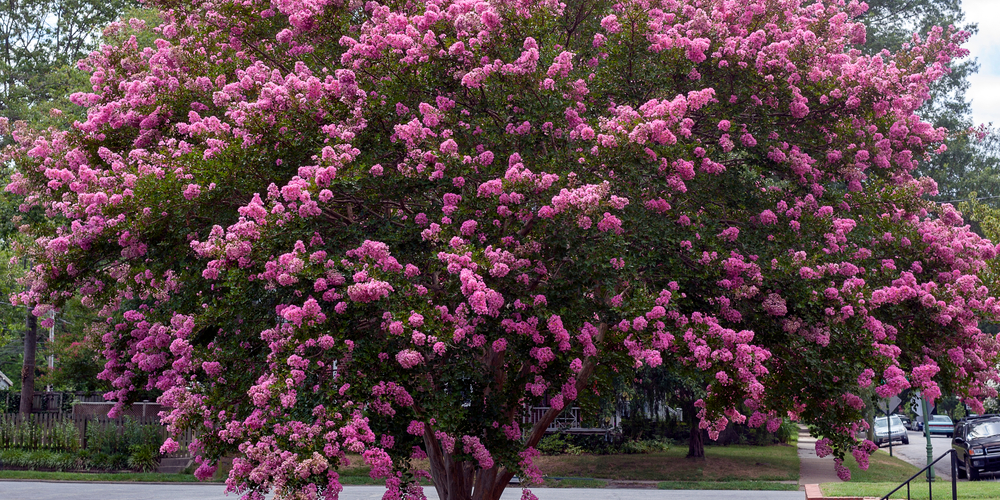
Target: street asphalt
x,y
30,490
916,452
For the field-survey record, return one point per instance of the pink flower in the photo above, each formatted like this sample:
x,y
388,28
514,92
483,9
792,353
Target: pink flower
x,y
369,291
409,358
169,446
610,24
842,472
823,448
192,191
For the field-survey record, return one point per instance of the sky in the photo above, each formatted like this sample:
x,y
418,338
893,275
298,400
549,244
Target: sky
x,y
984,91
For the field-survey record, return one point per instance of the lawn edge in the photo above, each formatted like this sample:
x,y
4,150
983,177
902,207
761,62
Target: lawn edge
x,y
815,492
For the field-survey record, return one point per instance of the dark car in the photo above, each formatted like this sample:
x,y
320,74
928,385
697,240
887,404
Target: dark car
x,y
977,442
906,421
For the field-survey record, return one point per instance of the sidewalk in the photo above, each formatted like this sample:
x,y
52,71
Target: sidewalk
x,y
812,469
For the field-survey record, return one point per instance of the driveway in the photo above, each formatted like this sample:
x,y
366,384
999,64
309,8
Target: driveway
x,y
25,490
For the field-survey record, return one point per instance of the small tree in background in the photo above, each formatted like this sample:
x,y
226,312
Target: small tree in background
x,y
385,228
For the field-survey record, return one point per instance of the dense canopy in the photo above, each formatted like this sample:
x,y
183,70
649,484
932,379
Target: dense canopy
x,y
329,227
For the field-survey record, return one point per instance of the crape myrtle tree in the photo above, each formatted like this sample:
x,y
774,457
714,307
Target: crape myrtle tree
x,y
383,229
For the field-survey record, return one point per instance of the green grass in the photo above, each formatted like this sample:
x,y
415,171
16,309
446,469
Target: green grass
x,y
885,473
722,463
731,485
138,477
881,469
918,490
360,480
725,467
574,482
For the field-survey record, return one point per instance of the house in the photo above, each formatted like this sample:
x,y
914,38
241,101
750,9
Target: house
x,y
5,382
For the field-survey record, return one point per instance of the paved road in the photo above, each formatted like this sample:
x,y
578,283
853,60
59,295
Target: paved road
x,y
23,490
916,452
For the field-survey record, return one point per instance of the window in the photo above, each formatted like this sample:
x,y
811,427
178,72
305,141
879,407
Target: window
x,y
984,429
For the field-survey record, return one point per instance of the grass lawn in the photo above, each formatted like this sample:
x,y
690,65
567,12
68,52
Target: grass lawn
x,y
725,467
918,490
730,485
885,473
881,469
722,463
575,482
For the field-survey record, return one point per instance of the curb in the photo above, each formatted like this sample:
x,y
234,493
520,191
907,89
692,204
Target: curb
x,y
813,492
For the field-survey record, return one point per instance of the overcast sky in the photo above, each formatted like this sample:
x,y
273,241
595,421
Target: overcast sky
x,y
985,46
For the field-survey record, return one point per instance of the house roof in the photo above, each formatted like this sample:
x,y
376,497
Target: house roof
x,y
6,380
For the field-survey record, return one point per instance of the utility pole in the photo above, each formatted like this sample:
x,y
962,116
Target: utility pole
x,y
28,368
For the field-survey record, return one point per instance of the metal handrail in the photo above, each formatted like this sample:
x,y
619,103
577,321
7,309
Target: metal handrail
x,y
930,484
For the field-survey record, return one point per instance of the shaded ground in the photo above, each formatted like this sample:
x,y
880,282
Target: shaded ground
x,y
722,463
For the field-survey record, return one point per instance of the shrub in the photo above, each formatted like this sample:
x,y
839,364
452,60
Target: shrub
x,y
143,458
38,459
572,444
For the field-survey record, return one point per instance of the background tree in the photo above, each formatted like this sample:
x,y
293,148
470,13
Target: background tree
x,y
77,352
386,228
40,43
972,161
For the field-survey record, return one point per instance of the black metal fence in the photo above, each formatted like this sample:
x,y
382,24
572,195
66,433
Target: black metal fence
x,y
47,402
69,433
930,484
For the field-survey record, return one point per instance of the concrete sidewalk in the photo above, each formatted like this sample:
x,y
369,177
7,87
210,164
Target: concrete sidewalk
x,y
812,469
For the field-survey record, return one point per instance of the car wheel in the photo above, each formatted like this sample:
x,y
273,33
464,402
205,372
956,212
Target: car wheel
x,y
906,439
971,471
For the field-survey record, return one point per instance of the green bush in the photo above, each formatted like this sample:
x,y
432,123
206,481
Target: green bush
x,y
126,446
643,446
16,432
39,459
574,444
65,436
14,458
558,444
143,458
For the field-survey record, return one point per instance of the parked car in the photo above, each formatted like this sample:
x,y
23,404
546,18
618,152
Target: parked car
x,y
941,424
977,443
890,429
905,420
917,424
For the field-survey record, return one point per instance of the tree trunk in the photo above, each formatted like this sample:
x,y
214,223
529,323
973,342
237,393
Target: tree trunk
x,y
696,442
463,480
28,368
696,445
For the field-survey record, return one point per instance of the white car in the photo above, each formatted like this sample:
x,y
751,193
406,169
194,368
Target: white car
x,y
890,429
